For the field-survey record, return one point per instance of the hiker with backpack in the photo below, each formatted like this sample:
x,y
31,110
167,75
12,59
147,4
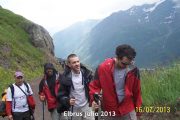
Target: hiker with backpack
x,y
19,100
48,88
74,91
118,80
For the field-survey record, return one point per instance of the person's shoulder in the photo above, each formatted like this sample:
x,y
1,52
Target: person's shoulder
x,y
42,81
107,63
11,86
28,84
25,83
132,68
8,89
67,70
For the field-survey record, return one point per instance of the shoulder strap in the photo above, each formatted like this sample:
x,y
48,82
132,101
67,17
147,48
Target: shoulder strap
x,y
12,90
12,93
25,83
21,90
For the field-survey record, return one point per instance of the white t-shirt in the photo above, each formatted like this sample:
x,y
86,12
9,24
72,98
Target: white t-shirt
x,y
19,103
79,90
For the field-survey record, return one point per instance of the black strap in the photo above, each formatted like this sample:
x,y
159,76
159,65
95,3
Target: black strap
x,y
25,83
12,93
21,90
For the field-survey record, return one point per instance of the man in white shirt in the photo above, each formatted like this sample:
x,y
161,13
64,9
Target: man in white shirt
x,y
16,104
74,92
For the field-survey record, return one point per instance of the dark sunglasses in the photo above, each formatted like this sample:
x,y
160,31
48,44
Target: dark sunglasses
x,y
130,57
125,63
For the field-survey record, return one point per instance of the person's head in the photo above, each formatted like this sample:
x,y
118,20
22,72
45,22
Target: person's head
x,y
74,63
125,54
49,69
18,78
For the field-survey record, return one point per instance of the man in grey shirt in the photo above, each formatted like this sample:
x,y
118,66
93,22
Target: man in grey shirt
x,y
118,80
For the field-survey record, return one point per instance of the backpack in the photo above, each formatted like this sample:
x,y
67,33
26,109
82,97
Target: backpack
x,y
3,104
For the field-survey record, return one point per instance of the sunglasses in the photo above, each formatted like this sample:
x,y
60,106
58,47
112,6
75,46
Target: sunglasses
x,y
125,63
130,57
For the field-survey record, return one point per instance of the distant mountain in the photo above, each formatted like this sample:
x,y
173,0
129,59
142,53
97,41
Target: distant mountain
x,y
67,40
152,29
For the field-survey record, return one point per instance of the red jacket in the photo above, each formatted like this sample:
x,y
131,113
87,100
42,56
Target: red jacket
x,y
44,90
104,80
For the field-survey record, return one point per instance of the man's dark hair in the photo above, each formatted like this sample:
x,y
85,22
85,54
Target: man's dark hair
x,y
125,50
71,56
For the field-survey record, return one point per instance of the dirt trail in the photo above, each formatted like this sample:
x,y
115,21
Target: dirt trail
x,y
39,109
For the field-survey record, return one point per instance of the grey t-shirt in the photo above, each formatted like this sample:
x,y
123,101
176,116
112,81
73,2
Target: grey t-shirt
x,y
119,78
79,90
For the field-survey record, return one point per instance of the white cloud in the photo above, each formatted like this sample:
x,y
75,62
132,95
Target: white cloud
x,y
55,15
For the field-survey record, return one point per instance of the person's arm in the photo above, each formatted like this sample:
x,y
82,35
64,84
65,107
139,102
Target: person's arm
x,y
30,89
63,96
94,86
9,109
137,90
41,92
31,100
9,104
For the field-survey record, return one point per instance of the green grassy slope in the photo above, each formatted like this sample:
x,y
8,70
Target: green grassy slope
x,y
16,50
161,87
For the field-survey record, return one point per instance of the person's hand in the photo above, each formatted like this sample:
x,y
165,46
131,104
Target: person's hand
x,y
72,101
10,117
95,106
42,98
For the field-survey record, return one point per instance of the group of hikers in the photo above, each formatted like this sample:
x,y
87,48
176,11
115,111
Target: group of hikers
x,y
74,93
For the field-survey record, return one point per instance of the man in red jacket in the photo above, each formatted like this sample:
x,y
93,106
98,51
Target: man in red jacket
x,y
119,82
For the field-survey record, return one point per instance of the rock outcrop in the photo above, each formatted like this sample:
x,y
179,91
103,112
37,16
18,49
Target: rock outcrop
x,y
40,37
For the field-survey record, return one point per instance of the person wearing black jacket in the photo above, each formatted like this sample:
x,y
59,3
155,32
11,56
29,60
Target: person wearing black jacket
x,y
73,93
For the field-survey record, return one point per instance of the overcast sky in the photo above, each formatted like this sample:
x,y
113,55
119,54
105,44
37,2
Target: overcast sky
x,y
56,15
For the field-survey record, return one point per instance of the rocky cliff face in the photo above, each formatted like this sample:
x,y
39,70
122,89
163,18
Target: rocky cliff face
x,y
24,46
40,37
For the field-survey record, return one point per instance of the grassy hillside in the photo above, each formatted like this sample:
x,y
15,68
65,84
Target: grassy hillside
x,y
16,50
162,86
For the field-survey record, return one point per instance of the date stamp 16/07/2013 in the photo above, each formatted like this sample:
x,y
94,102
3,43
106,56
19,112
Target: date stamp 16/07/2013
x,y
153,109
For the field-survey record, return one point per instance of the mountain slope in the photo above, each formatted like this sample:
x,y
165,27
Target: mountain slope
x,y
69,39
153,30
17,47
